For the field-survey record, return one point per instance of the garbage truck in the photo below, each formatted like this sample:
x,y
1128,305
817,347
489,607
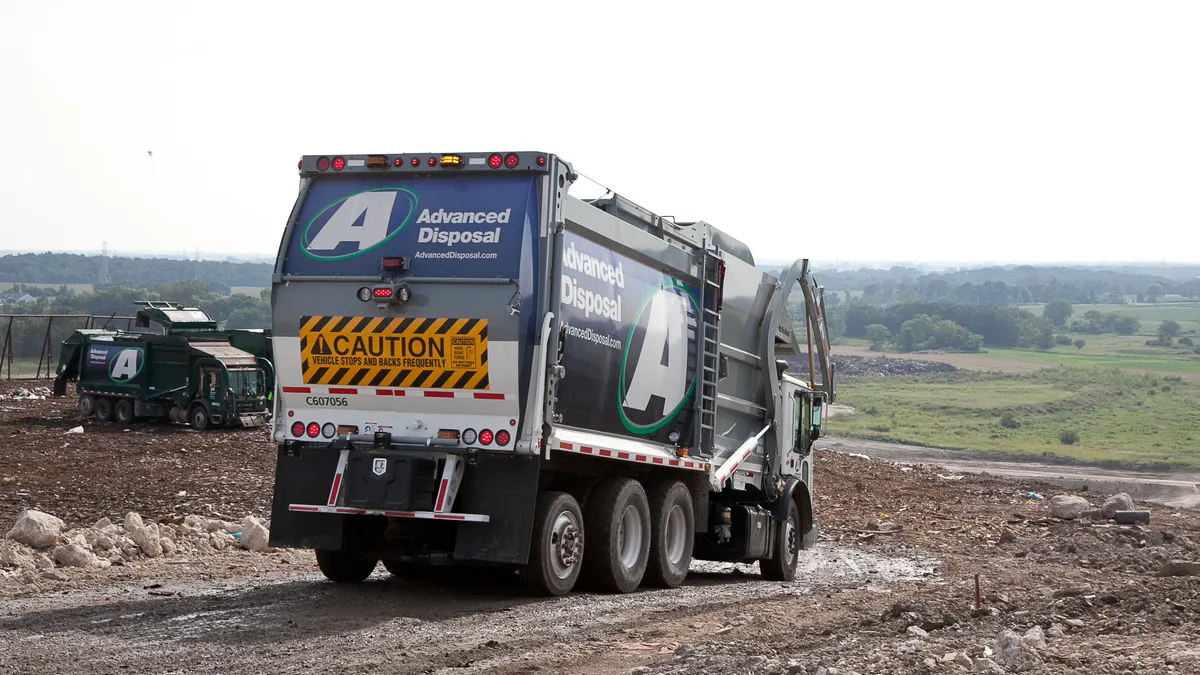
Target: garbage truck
x,y
173,364
476,368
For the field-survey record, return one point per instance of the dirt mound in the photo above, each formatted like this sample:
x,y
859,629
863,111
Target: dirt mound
x,y
864,366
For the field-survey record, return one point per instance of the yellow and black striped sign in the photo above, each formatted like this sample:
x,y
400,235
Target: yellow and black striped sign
x,y
394,352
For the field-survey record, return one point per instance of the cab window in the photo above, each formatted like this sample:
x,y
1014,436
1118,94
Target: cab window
x,y
802,419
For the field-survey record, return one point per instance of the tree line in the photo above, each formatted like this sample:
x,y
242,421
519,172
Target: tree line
x,y
72,268
29,334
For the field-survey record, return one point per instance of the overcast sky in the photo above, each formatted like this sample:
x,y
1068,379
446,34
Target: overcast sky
x,y
913,131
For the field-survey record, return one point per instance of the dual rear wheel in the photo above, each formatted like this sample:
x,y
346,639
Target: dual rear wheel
x,y
626,537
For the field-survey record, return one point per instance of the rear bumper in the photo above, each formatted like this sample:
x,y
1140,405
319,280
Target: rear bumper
x,y
334,499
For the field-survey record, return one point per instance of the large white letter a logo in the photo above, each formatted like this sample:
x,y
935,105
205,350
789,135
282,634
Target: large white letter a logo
x,y
341,228
666,330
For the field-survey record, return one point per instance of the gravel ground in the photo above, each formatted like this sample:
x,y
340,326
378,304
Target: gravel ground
x,y
889,589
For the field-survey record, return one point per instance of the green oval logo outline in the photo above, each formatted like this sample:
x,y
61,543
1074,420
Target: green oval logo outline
x,y
647,429
304,238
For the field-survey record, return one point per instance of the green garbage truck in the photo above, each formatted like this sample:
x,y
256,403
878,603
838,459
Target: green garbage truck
x,y
174,364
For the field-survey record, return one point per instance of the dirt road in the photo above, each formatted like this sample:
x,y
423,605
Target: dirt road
x,y
889,589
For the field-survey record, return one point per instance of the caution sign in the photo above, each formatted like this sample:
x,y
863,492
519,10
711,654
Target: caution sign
x,y
394,352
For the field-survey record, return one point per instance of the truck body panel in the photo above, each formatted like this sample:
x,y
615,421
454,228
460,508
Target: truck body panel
x,y
458,340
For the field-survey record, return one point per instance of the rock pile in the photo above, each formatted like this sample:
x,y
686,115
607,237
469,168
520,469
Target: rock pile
x,y
865,366
41,542
1070,507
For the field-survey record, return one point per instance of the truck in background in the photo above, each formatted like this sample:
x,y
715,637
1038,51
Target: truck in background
x,y
175,364
477,368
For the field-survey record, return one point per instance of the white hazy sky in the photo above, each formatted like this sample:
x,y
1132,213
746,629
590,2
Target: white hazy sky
x,y
914,131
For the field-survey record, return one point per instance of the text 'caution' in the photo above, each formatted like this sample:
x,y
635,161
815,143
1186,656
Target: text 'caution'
x,y
394,352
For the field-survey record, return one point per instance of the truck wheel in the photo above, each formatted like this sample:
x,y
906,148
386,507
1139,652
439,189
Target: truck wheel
x,y
345,567
618,523
123,411
672,532
104,409
556,551
87,405
198,418
782,567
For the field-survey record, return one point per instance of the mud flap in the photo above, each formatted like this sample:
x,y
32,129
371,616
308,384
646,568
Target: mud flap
x,y
304,478
810,538
505,487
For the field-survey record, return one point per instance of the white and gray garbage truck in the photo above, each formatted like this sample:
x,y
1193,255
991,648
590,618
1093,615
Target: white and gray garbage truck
x,y
477,368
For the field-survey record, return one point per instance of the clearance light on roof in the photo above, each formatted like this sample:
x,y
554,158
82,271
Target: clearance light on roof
x,y
433,161
338,163
377,161
451,160
541,161
511,160
397,162
495,161
322,163
415,162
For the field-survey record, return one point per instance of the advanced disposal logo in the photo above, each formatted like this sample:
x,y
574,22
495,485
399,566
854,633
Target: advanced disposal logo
x,y
363,221
126,365
358,223
658,370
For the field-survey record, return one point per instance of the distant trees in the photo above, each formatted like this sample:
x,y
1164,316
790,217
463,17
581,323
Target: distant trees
x,y
1169,328
1095,322
1057,311
995,326
69,268
1079,343
878,335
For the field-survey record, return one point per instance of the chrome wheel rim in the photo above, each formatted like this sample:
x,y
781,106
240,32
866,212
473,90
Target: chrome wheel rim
x,y
675,535
629,537
564,545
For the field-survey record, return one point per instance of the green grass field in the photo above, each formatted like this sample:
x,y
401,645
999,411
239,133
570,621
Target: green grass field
x,y
1150,314
1121,418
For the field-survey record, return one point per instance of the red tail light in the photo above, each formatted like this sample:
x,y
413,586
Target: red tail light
x,y
298,429
414,161
322,163
495,161
314,429
383,292
511,161
397,162
485,437
433,161
541,161
338,163
502,438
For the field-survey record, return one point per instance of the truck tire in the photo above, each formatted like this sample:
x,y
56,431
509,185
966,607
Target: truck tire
x,y
672,534
782,567
345,567
198,417
618,527
557,547
123,411
87,405
103,408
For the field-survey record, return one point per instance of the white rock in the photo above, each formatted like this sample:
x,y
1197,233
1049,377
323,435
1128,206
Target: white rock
x,y
148,540
1117,502
130,551
1035,638
195,521
168,546
37,529
1014,654
917,632
133,522
103,524
73,555
986,665
215,526
16,555
234,528
1184,657
964,660
221,540
1068,507
255,537
1057,630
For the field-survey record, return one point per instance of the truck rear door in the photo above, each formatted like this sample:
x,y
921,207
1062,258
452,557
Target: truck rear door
x,y
406,297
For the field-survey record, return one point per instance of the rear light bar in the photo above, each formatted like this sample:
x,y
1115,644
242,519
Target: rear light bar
x,y
450,161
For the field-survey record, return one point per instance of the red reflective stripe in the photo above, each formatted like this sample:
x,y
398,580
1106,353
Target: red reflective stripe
x,y
658,460
674,462
339,390
641,458
337,482
605,453
584,448
305,508
401,514
566,446
383,392
351,511
490,397
297,390
441,495
448,516
622,455
439,394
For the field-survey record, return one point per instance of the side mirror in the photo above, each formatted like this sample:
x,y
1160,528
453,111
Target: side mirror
x,y
815,432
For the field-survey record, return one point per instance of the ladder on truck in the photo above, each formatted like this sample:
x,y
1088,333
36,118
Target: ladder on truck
x,y
708,351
